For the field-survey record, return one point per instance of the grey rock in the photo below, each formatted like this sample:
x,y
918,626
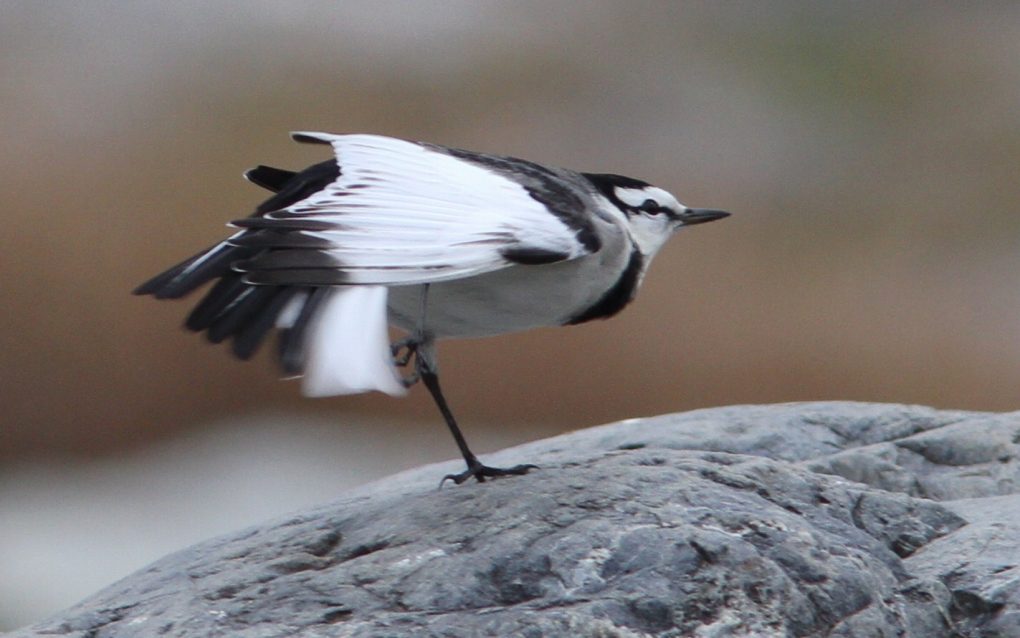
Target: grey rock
x,y
816,519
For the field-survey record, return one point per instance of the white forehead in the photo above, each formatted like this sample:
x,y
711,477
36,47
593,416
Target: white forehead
x,y
637,196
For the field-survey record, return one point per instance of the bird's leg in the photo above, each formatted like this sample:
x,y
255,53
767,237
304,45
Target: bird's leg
x,y
422,344
427,373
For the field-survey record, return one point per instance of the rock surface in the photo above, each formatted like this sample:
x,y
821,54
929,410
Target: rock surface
x,y
812,519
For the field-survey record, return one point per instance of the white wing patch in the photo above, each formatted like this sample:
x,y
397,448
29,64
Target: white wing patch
x,y
405,214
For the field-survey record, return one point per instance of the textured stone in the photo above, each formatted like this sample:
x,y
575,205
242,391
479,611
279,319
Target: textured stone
x,y
787,520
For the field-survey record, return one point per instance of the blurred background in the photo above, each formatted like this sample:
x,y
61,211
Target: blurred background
x,y
868,151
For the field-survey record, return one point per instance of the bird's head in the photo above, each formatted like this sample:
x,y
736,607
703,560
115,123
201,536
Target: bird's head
x,y
652,214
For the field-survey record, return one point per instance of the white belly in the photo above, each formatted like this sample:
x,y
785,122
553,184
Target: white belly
x,y
509,300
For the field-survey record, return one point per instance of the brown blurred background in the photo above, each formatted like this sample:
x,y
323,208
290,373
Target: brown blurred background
x,y
869,153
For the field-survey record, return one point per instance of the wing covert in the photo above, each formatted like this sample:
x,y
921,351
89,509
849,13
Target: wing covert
x,y
399,212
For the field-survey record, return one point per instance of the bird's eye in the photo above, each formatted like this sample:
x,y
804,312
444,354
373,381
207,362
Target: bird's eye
x,y
650,206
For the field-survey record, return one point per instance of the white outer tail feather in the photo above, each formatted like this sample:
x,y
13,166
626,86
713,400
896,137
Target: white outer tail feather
x,y
348,345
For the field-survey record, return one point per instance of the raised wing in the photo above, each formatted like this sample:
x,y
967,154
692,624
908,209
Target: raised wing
x,y
400,213
384,212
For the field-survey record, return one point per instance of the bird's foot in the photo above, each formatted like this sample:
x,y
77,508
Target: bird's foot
x,y
402,352
481,472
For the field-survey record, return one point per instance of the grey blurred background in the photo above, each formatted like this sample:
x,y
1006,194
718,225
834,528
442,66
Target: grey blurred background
x,y
868,151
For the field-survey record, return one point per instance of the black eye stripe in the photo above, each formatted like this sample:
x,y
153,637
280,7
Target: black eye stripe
x,y
652,207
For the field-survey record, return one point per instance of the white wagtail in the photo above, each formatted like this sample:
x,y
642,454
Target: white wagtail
x,y
438,241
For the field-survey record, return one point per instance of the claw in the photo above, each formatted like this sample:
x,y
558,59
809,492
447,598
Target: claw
x,y
481,472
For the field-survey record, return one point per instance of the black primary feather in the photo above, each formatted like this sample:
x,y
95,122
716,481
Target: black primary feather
x,y
308,182
289,223
286,259
308,139
179,280
300,277
269,178
160,281
235,307
268,238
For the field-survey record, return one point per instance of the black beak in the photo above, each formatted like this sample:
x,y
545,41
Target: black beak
x,y
701,215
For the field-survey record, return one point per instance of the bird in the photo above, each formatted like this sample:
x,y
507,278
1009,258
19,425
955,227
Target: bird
x,y
437,241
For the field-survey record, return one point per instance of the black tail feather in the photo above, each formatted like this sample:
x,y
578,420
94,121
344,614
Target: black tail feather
x,y
247,304
238,309
250,336
246,313
220,296
292,340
